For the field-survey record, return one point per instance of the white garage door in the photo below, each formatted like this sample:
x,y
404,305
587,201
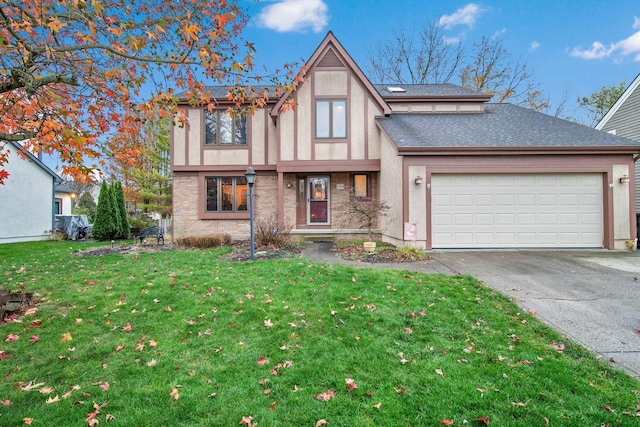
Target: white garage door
x,y
516,211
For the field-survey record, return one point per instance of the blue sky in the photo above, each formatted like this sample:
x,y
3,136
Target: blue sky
x,y
573,46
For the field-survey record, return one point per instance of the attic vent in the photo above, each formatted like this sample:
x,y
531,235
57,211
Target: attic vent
x,y
395,89
330,59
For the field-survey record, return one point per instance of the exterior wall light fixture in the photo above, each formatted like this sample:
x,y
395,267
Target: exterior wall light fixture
x,y
624,179
418,180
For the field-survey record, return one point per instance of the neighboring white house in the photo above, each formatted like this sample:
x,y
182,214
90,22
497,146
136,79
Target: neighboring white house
x,y
623,119
27,198
64,199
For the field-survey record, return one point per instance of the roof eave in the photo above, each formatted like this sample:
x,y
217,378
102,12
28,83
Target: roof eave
x,y
494,151
452,98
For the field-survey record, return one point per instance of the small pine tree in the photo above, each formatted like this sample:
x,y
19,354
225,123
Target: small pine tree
x,y
105,227
117,219
125,227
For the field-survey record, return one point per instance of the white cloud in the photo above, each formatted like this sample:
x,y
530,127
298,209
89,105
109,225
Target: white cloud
x,y
597,50
498,33
626,47
535,45
463,16
295,15
630,46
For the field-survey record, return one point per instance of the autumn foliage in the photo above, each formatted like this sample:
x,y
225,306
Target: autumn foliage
x,y
72,71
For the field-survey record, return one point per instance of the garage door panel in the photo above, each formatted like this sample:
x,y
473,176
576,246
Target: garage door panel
x,y
544,210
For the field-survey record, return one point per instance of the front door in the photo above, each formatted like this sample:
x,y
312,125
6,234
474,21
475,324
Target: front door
x,y
318,200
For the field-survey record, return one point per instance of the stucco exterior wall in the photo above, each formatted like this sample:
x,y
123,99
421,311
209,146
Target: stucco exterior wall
x,y
26,207
391,185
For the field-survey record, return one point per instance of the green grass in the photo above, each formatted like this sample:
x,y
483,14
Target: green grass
x,y
420,348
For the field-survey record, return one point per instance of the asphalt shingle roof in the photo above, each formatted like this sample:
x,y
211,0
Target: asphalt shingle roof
x,y
500,126
422,90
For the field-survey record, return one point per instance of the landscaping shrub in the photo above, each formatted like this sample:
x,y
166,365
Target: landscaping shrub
x,y
140,221
124,229
204,242
269,232
105,226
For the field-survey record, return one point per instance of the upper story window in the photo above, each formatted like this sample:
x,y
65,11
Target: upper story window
x,y
225,128
331,118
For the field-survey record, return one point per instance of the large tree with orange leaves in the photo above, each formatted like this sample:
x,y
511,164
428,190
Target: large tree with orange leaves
x,y
72,71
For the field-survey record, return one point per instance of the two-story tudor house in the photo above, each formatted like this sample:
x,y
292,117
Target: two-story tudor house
x,y
456,170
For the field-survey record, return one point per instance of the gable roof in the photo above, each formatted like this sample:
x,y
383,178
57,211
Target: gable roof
x,y
36,161
623,98
440,91
501,126
331,51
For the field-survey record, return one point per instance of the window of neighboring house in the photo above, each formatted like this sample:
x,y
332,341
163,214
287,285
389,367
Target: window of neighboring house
x,y
360,185
57,207
331,118
225,194
225,128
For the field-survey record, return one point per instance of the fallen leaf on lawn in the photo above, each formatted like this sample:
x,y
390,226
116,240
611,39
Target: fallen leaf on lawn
x,y
12,337
608,408
400,390
174,394
139,347
105,386
34,339
153,362
4,355
5,402
27,421
329,394
109,417
78,320
447,422
66,337
377,405
119,347
439,372
266,391
408,330
249,296
321,422
351,383
246,421
261,361
30,386
127,327
268,323
482,420
153,343
557,346
46,390
53,399
405,361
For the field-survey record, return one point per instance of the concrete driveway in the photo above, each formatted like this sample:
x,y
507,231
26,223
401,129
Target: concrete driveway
x,y
592,296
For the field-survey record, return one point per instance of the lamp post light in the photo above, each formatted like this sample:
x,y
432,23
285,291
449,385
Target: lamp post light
x,y
250,175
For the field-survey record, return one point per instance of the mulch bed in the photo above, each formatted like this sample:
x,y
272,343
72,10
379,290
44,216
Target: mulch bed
x,y
242,252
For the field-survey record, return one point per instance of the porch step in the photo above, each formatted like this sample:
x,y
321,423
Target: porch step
x,y
319,238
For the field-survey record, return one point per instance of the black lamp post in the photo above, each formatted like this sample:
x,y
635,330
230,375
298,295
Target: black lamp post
x,y
250,175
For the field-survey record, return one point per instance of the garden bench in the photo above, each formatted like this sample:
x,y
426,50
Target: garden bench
x,y
154,232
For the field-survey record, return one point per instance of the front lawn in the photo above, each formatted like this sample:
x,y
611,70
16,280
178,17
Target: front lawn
x,y
190,338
